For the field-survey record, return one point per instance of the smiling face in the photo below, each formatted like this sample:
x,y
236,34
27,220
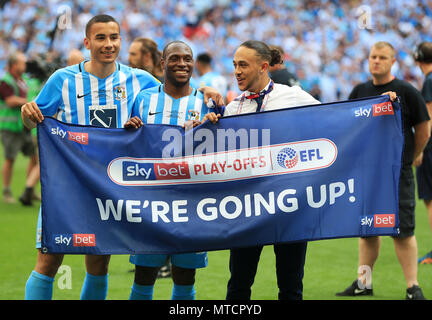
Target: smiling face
x,y
249,70
103,41
178,64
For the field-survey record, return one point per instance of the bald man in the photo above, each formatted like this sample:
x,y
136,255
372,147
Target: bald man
x,y
75,57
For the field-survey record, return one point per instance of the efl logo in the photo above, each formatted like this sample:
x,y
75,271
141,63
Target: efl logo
x,y
84,240
381,109
288,158
384,220
79,137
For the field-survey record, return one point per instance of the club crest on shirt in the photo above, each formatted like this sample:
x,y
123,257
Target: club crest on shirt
x,y
119,93
193,115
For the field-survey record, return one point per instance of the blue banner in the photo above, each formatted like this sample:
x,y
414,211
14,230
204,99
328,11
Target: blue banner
x,y
307,173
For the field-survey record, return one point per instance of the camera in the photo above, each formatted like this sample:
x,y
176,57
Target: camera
x,y
41,67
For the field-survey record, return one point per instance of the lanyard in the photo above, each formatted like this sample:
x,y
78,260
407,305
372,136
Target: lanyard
x,y
258,97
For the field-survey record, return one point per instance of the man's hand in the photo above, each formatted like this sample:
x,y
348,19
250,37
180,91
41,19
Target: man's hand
x,y
191,124
418,161
134,122
212,93
31,114
391,94
213,117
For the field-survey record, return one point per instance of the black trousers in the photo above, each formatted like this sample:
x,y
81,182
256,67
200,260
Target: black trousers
x,y
290,260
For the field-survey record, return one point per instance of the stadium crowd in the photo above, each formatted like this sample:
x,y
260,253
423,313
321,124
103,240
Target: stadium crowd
x,y
326,45
326,42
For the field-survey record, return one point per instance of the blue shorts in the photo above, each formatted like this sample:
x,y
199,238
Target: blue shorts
x,y
193,260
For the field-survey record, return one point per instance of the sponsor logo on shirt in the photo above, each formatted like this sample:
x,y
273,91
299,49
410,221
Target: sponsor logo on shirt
x,y
103,116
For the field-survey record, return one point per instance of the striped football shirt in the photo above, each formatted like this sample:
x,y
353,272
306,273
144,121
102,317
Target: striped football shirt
x,y
157,107
75,96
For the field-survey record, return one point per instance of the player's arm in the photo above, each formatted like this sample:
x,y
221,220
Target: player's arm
x,y
419,159
422,133
429,108
7,93
46,103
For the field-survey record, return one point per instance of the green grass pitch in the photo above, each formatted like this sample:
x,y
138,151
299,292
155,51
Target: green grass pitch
x,y
331,265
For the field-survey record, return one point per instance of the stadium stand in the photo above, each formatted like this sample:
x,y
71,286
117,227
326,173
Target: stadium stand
x,y
326,42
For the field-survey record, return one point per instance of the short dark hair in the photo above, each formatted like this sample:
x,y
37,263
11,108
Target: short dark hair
x,y
174,42
204,58
104,18
423,52
273,56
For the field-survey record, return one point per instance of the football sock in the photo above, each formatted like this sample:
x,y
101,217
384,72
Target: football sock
x,y
140,292
39,287
183,292
94,287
